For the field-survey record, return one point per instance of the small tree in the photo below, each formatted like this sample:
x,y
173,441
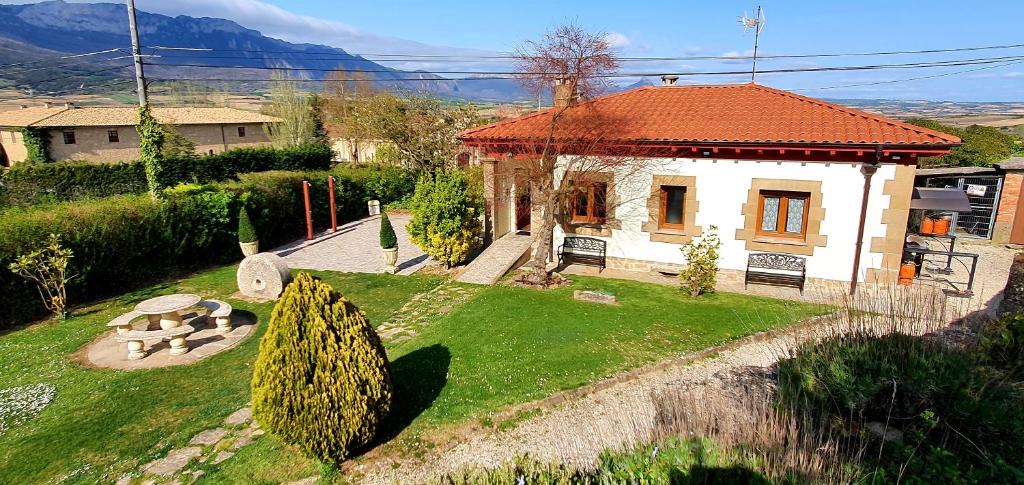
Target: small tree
x,y
322,380
388,239
177,146
37,144
445,217
246,233
701,270
151,142
47,268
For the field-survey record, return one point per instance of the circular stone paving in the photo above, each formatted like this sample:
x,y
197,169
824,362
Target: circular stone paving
x,y
107,352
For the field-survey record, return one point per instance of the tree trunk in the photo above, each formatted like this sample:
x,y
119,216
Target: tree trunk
x,y
549,204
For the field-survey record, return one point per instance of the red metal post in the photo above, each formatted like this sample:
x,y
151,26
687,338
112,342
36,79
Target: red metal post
x,y
334,213
309,212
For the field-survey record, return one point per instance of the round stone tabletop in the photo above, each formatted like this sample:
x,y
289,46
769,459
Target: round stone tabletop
x,y
167,303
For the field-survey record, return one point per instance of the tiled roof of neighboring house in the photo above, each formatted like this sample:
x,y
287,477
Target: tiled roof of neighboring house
x,y
128,116
26,116
1012,163
741,113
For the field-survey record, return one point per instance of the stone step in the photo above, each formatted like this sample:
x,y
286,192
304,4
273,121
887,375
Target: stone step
x,y
496,260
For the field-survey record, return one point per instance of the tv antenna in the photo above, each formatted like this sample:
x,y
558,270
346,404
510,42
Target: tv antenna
x,y
755,23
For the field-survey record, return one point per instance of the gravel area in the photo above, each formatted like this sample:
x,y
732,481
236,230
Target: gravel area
x,y
355,248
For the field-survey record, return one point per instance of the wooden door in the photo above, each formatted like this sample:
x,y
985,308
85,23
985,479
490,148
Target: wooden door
x,y
1017,230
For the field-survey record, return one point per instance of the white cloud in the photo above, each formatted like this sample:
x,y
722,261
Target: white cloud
x,y
617,40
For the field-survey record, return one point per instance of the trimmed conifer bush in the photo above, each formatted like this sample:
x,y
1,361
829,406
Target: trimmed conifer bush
x,y
388,239
246,234
322,380
446,216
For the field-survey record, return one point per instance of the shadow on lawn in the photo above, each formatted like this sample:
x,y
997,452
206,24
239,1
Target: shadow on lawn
x,y
418,378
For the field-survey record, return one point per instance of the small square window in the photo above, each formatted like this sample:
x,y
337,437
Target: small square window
x,y
69,138
112,136
241,132
783,214
589,204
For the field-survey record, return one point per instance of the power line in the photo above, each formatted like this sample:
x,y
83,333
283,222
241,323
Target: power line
x,y
874,83
87,54
951,63
409,57
68,76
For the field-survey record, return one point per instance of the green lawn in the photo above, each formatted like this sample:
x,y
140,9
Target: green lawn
x,y
505,346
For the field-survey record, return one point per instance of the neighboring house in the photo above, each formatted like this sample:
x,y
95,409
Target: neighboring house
x,y
107,134
773,170
354,150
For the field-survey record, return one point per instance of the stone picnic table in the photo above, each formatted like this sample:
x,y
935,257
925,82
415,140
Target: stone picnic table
x,y
166,311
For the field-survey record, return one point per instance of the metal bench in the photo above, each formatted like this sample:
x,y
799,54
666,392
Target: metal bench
x,y
220,312
135,339
776,269
583,250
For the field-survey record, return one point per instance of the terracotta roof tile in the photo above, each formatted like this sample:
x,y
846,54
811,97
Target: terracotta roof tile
x,y
129,116
742,113
26,116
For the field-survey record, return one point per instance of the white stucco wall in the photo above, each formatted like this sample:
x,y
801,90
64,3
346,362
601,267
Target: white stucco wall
x,y
722,188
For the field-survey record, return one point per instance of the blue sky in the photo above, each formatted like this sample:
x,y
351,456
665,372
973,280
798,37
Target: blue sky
x,y
663,28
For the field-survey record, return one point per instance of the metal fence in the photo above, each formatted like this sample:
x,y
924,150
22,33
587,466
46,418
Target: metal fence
x,y
983,192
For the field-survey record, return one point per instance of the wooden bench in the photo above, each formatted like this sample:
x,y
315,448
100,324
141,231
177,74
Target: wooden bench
x,y
220,312
776,269
583,250
135,339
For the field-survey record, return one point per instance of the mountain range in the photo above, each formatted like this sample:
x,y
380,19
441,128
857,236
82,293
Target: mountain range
x,y
31,35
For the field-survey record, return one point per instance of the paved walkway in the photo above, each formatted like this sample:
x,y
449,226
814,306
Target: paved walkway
x,y
355,248
496,260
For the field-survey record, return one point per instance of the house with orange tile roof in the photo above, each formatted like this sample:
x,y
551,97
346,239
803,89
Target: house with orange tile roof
x,y
774,171
107,133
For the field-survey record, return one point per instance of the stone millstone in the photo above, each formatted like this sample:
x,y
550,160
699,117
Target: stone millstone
x,y
263,276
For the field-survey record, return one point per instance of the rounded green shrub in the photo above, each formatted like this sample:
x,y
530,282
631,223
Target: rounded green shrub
x,y
322,380
388,239
446,216
246,234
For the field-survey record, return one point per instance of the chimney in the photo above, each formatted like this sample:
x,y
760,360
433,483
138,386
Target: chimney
x,y
69,104
24,106
565,93
47,104
669,80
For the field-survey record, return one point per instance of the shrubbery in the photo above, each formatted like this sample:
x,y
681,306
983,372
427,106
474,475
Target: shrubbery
x,y
246,234
32,183
701,271
125,241
322,379
388,239
955,420
445,216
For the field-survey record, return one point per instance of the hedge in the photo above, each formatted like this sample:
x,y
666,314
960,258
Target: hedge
x,y
125,241
34,183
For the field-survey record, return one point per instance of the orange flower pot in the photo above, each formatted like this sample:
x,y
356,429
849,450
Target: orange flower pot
x,y
907,272
927,225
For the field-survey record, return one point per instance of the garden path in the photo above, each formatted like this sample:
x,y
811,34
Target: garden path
x,y
355,248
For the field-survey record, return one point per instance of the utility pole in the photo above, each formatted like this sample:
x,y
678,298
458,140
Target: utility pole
x,y
140,76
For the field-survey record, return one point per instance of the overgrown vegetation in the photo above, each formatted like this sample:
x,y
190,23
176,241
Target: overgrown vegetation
x,y
300,114
151,142
701,271
446,216
37,144
921,411
982,145
47,268
321,380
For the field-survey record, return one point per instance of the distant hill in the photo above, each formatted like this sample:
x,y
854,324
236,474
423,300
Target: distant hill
x,y
43,30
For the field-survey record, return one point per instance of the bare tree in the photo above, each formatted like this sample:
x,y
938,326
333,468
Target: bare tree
x,y
577,149
343,92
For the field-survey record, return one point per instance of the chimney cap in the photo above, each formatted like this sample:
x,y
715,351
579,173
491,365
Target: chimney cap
x,y
669,79
47,104
69,104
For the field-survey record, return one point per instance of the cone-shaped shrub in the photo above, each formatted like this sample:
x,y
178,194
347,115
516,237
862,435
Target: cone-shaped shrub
x,y
322,379
246,234
388,239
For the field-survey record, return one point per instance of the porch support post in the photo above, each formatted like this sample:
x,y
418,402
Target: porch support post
x,y
868,169
490,166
